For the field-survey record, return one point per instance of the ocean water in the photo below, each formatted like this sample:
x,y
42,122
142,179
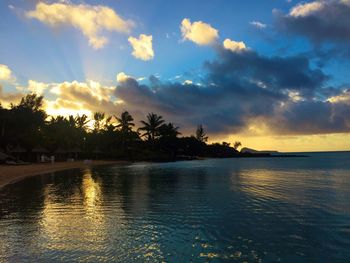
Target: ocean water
x,y
216,210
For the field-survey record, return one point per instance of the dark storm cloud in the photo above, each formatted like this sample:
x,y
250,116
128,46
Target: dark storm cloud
x,y
276,73
313,117
183,104
240,87
320,21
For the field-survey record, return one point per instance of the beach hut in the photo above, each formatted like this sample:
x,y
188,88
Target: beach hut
x,y
5,157
19,152
39,152
97,153
60,154
74,152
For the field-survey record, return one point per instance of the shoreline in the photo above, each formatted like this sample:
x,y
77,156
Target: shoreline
x,y
11,174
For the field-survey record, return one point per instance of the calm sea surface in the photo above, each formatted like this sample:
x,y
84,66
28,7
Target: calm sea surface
x,y
218,210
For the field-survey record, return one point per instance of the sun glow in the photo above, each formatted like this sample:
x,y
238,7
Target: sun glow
x,y
53,109
92,192
292,143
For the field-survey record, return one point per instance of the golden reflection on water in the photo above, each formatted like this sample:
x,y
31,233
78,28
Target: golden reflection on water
x,y
65,220
82,217
92,193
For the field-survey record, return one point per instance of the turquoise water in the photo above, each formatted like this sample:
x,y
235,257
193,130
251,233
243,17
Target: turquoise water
x,y
217,210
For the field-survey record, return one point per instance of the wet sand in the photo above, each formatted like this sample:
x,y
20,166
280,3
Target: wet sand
x,y
13,173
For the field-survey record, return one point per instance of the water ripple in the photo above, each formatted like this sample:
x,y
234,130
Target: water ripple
x,y
215,210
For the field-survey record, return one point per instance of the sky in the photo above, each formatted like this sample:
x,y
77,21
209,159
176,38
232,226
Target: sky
x,y
273,74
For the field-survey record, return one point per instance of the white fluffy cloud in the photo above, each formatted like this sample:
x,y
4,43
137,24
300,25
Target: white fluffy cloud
x,y
306,9
90,20
234,46
142,47
188,82
199,32
37,87
80,98
258,24
82,90
121,76
5,73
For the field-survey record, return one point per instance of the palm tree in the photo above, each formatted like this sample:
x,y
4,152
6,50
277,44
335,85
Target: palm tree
x,y
236,145
125,122
151,126
168,141
169,130
226,144
71,121
200,134
81,122
98,118
125,125
108,125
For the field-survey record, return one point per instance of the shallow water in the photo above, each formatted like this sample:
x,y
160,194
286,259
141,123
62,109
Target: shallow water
x,y
237,210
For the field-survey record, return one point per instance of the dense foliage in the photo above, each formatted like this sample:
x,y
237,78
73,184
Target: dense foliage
x,y
28,127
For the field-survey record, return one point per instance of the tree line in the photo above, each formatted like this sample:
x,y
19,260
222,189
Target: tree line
x,y
27,126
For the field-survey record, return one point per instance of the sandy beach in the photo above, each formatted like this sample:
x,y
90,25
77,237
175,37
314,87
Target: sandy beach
x,y
11,174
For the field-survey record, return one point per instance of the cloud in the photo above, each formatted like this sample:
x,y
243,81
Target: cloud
x,y
306,9
258,24
6,73
6,98
90,91
199,32
343,97
319,21
69,98
90,20
188,82
234,46
37,87
142,47
312,117
81,98
241,91
121,76
274,73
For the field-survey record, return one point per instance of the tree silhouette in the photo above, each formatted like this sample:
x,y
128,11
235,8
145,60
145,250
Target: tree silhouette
x,y
125,126
108,125
27,126
169,130
200,134
125,122
236,145
152,126
81,122
28,119
226,144
98,118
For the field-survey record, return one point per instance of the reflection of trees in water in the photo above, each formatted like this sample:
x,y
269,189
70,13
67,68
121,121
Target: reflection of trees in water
x,y
142,187
25,198
117,185
200,178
